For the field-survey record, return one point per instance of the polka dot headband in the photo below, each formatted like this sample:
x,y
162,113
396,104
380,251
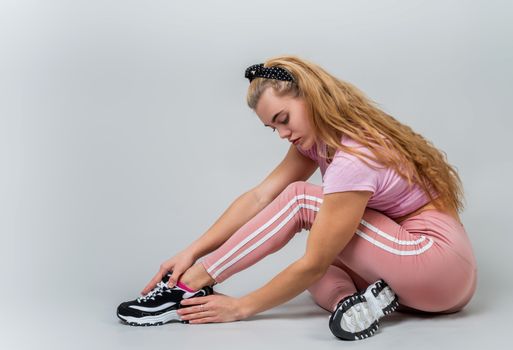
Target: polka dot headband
x,y
258,70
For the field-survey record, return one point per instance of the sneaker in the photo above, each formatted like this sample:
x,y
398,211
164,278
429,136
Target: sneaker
x,y
158,306
357,316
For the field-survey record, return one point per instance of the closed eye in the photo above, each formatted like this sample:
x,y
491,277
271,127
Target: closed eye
x,y
285,122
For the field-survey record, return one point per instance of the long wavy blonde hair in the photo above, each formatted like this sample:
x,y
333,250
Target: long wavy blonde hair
x,y
337,107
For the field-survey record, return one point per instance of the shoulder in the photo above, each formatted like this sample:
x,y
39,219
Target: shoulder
x,y
361,152
348,171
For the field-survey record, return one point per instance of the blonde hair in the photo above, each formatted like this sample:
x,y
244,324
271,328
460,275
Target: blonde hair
x,y
337,107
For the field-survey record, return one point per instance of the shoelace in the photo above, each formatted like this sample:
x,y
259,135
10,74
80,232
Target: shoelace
x,y
161,286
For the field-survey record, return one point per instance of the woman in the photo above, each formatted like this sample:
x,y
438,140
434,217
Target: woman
x,y
384,226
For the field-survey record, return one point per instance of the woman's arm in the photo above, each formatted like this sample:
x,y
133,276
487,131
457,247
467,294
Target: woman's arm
x,y
294,167
334,226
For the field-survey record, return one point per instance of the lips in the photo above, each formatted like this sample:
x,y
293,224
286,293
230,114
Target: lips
x,y
296,141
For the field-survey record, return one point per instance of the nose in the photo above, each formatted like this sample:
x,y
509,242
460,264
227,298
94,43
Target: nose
x,y
284,133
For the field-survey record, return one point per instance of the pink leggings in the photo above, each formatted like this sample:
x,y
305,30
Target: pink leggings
x,y
427,260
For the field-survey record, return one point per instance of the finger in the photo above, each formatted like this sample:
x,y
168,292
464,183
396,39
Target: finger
x,y
157,278
151,284
190,301
173,278
193,301
198,300
197,314
191,310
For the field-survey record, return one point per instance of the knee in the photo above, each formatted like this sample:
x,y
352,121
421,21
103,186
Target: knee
x,y
292,190
294,186
302,187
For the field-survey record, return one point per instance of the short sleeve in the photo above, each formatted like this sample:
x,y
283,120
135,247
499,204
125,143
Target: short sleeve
x,y
349,174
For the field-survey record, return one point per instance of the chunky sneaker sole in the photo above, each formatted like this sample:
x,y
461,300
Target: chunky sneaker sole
x,y
357,316
159,306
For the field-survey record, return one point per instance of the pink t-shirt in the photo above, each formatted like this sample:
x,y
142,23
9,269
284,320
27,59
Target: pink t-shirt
x,y
391,193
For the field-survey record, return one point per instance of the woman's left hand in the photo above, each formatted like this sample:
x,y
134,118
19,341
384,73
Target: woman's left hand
x,y
211,308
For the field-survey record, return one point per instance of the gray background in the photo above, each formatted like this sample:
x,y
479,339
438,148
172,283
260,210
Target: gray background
x,y
124,134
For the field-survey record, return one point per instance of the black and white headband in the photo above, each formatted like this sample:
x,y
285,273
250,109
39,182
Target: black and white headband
x,y
258,70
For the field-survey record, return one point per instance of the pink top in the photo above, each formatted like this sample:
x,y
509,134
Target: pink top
x,y
347,172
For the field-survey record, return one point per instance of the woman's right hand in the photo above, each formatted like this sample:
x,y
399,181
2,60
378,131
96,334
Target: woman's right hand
x,y
178,264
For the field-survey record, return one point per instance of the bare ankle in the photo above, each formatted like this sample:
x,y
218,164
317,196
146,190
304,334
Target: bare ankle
x,y
196,277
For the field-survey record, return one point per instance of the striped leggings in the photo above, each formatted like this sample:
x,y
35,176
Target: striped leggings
x,y
427,260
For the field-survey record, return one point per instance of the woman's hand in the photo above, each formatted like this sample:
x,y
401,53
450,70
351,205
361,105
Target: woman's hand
x,y
177,264
214,308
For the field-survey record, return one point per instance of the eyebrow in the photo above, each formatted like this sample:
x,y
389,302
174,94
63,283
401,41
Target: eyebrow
x,y
275,116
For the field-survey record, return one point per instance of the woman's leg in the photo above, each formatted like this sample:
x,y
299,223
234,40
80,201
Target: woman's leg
x,y
291,211
427,260
332,287
337,283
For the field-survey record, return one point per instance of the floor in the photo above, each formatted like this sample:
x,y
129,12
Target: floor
x,y
86,322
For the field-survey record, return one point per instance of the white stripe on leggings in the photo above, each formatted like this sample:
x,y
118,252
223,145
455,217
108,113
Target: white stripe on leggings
x,y
311,207
267,236
393,250
391,238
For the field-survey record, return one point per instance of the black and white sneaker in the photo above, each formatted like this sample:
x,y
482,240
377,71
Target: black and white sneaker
x,y
158,306
357,316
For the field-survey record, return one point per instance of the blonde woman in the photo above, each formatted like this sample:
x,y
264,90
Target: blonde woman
x,y
384,229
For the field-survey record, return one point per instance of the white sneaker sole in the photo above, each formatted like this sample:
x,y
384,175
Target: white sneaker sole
x,y
357,316
155,320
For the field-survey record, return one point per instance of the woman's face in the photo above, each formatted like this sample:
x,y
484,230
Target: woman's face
x,y
288,116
